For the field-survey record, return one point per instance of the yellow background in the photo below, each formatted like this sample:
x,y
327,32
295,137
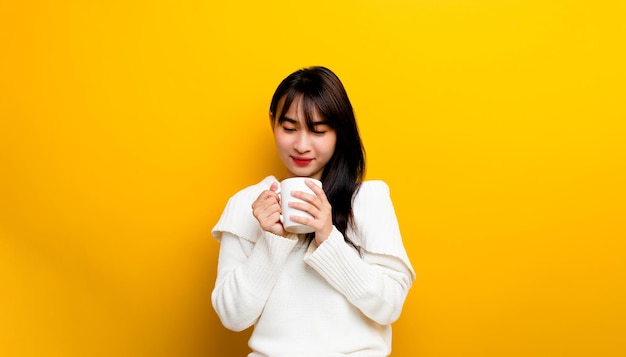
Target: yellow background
x,y
499,125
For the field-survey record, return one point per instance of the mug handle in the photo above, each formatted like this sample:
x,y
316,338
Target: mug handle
x,y
278,191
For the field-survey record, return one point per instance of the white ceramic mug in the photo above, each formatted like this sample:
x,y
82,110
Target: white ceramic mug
x,y
286,186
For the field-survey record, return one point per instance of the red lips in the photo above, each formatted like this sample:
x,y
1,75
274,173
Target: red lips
x,y
301,161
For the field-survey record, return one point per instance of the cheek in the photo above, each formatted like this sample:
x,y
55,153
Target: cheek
x,y
281,142
331,144
327,147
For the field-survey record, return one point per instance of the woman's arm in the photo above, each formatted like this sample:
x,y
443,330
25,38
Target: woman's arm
x,y
376,284
246,274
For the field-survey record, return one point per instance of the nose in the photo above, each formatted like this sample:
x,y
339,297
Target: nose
x,y
302,143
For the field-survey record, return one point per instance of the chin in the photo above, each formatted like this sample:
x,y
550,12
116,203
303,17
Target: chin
x,y
302,173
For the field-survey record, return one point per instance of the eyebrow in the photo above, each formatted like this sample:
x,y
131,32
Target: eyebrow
x,y
287,119
294,121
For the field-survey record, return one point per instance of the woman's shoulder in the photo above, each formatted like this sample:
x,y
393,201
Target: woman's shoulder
x,y
253,191
372,190
237,216
375,185
373,199
377,228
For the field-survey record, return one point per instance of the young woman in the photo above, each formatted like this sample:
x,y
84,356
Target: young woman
x,y
333,292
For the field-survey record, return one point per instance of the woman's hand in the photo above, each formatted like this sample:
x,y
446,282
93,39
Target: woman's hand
x,y
317,206
266,210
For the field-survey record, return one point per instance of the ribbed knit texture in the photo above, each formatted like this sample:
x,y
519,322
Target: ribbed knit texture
x,y
310,300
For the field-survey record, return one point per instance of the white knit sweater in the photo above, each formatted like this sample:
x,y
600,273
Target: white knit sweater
x,y
310,300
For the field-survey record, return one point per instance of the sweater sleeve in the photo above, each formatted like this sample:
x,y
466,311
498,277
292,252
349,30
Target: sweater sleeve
x,y
378,281
244,282
249,261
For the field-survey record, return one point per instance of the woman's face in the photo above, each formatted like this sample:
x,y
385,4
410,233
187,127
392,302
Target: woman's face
x,y
302,151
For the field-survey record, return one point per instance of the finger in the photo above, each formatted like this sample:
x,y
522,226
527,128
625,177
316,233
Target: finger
x,y
266,204
269,196
270,207
260,200
303,220
319,192
270,220
306,197
305,207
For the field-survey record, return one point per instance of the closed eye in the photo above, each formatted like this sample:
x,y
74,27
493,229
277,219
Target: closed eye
x,y
288,124
320,128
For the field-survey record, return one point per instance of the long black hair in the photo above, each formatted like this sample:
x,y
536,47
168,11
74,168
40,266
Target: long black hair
x,y
322,90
